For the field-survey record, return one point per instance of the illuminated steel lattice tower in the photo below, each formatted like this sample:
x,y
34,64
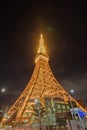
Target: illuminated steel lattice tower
x,y
41,85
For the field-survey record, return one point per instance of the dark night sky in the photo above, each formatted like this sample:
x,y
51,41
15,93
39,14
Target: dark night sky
x,y
64,26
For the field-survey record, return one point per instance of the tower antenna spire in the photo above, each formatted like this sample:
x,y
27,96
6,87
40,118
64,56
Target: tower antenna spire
x,y
41,48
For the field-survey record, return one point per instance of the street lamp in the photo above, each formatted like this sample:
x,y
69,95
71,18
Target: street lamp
x,y
72,91
3,90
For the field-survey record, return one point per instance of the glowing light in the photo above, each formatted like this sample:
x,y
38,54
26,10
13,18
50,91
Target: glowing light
x,y
41,49
3,90
72,91
36,100
41,35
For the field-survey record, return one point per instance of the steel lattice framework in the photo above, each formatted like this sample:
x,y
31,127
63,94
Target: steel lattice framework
x,y
42,84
